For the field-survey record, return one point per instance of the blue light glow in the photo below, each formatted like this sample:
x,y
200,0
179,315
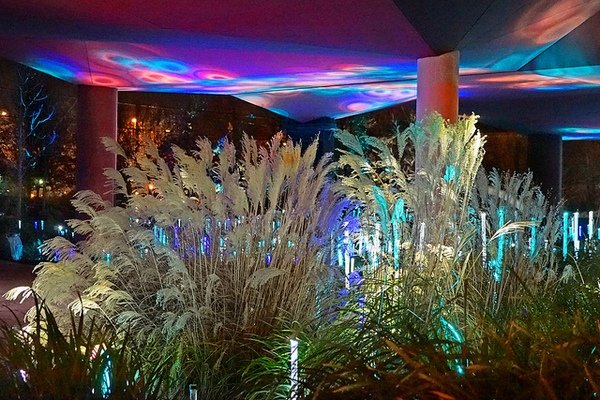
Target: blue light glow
x,y
500,254
451,332
579,133
450,174
565,234
106,378
533,239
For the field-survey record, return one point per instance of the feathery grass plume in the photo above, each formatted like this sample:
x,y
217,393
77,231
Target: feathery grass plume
x,y
523,261
428,320
422,237
206,250
416,226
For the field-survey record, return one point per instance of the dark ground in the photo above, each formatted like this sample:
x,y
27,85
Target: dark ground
x,y
11,275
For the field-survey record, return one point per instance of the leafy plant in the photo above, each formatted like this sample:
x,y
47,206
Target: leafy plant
x,y
539,352
88,361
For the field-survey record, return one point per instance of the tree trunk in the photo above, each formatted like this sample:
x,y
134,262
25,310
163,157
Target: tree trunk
x,y
20,169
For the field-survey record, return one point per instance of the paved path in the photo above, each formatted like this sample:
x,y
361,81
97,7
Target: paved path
x,y
11,275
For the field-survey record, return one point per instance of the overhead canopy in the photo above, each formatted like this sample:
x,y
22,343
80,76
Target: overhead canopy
x,y
527,64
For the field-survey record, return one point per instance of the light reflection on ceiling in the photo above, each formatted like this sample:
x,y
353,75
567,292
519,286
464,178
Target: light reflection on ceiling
x,y
349,99
579,133
305,62
145,67
546,80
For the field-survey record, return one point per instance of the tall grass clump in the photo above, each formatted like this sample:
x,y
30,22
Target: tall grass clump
x,y
202,252
443,238
456,280
525,262
417,227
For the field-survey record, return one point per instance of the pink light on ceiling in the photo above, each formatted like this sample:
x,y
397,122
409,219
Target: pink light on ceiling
x,y
546,22
527,81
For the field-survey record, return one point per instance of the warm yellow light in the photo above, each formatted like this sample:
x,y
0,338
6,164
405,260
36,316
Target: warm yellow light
x,y
134,120
150,186
3,113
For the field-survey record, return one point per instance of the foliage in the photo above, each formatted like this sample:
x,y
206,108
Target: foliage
x,y
203,252
36,142
424,229
220,260
526,259
368,356
89,361
436,313
156,124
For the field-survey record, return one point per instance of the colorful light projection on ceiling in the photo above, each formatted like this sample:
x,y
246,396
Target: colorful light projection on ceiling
x,y
314,62
334,101
547,80
546,22
511,33
586,75
175,69
298,86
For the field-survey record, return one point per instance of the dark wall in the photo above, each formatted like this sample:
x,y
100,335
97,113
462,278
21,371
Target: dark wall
x,y
538,153
507,151
581,174
545,159
308,131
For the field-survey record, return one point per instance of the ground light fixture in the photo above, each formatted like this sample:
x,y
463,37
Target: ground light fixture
x,y
294,369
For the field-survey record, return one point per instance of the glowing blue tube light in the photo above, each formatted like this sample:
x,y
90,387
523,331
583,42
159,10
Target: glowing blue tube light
x,y
397,217
565,234
532,240
500,254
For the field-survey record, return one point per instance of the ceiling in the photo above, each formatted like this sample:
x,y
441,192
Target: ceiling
x,y
532,65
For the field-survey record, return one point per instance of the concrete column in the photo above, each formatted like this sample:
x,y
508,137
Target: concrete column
x,y
96,118
545,161
437,86
307,131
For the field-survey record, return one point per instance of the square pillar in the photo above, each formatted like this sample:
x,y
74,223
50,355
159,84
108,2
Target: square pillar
x,y
96,118
437,86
